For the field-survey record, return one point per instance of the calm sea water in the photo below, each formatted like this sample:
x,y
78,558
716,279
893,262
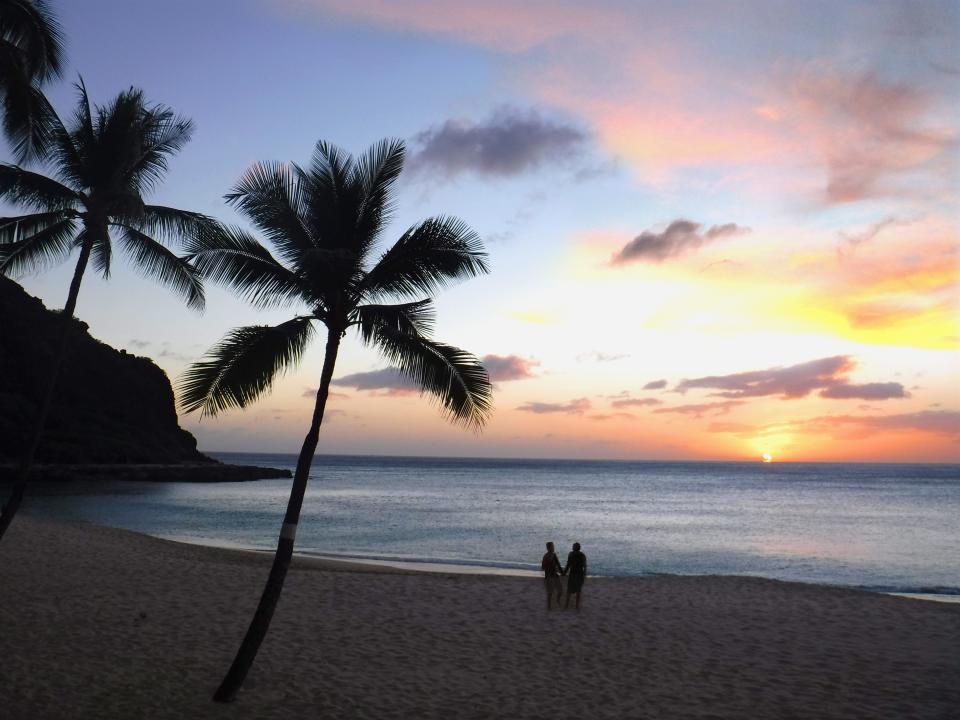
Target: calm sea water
x,y
883,527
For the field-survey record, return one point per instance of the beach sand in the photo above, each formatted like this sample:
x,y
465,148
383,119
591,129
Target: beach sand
x,y
103,623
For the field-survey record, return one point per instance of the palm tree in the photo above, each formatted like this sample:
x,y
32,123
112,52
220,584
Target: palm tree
x,y
324,222
101,168
31,53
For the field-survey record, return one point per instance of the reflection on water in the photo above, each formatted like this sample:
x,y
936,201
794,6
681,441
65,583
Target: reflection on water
x,y
883,526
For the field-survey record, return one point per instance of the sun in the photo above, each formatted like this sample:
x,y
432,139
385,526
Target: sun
x,y
767,457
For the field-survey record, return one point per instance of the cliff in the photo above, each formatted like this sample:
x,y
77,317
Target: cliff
x,y
110,407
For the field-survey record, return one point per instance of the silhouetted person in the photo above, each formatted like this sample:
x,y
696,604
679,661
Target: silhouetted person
x,y
576,571
551,574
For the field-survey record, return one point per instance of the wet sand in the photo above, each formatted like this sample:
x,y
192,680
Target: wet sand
x,y
104,623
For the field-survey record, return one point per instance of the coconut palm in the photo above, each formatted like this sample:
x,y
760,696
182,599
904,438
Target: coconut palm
x,y
102,166
31,53
324,222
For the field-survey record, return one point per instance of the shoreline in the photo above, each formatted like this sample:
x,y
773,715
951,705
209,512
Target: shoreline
x,y
187,472
351,563
99,622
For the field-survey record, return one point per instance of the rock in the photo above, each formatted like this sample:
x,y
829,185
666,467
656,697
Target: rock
x,y
110,408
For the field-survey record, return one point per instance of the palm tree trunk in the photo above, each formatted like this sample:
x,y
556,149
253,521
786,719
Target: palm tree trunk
x,y
281,560
23,473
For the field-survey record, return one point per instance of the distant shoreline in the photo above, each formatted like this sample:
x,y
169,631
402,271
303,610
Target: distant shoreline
x,y
492,459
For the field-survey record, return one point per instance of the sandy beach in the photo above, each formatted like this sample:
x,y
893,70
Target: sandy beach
x,y
104,623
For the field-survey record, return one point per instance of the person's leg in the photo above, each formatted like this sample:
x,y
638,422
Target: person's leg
x,y
566,605
577,606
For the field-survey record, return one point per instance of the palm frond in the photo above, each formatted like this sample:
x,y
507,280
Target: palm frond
x,y
153,260
34,34
243,365
174,225
376,172
270,195
335,198
35,190
121,133
31,52
414,318
165,134
427,257
71,149
28,121
19,227
233,258
454,377
330,168
42,249
102,255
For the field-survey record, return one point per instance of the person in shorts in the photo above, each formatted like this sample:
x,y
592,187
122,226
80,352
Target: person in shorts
x,y
552,570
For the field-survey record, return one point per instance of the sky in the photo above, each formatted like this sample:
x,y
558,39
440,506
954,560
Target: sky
x,y
716,229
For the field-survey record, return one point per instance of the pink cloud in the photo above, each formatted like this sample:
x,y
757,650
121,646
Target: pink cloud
x,y
503,25
868,131
655,84
573,407
509,367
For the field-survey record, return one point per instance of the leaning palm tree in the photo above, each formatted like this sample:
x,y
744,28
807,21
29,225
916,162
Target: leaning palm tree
x,y
102,166
31,53
324,222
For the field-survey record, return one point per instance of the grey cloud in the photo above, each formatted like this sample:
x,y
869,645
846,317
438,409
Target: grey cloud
x,y
509,367
867,391
701,409
681,236
139,344
173,355
655,385
385,379
574,407
854,239
828,375
613,416
509,142
794,381
635,402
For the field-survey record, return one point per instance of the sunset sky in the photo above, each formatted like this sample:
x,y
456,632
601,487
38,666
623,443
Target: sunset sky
x,y
716,229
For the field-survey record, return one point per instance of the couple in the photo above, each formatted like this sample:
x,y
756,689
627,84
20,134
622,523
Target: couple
x,y
576,569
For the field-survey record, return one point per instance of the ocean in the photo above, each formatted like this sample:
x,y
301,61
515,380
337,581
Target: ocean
x,y
887,527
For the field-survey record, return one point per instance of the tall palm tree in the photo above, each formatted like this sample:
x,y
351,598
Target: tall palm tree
x,y
325,221
102,166
31,53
